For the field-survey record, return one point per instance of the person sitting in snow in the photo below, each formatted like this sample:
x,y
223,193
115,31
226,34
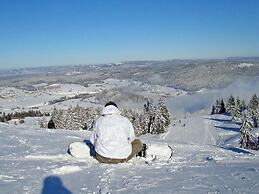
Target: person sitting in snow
x,y
113,137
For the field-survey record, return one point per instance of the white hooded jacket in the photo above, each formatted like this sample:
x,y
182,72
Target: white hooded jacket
x,y
112,134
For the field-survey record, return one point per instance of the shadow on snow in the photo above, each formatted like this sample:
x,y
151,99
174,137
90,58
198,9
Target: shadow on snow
x,y
54,185
224,120
237,150
235,129
220,120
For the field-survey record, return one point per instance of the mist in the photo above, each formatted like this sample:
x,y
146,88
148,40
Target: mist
x,y
204,100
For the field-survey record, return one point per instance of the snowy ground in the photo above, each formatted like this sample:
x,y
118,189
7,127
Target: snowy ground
x,y
16,99
206,159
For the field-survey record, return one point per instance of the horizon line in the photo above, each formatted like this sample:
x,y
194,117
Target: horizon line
x,y
126,61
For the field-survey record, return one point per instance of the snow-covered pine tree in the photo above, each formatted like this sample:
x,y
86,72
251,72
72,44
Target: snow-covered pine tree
x,y
238,102
243,105
76,118
253,107
230,107
86,117
253,103
159,125
89,116
145,118
82,118
57,118
164,112
162,118
68,115
151,111
133,117
128,113
139,123
43,122
217,107
143,122
237,115
54,115
246,139
63,117
94,115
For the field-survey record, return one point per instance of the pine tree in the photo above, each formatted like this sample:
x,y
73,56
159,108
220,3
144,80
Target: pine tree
x,y
243,105
139,123
136,119
43,122
55,117
253,103
230,107
76,118
237,102
217,107
93,114
83,116
164,112
245,131
253,107
86,118
70,118
142,120
161,118
237,114
149,115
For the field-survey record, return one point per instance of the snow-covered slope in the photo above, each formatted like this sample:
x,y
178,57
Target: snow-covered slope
x,y
206,159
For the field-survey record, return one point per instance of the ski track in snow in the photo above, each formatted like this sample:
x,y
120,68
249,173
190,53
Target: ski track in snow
x,y
206,159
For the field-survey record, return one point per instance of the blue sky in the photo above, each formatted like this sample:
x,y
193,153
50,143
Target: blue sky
x,y
62,32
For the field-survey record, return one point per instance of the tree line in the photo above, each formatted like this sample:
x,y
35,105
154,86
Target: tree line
x,y
74,118
20,115
247,114
154,118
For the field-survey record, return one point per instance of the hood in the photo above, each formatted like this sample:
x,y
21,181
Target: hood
x,y
110,110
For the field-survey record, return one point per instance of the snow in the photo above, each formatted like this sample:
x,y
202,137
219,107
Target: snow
x,y
67,89
66,169
242,65
206,159
74,73
14,99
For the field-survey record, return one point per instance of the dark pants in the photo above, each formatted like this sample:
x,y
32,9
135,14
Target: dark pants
x,y
136,148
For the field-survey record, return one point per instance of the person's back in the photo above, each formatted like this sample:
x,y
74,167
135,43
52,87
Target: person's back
x,y
112,136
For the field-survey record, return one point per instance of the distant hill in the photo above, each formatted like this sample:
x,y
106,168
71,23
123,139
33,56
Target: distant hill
x,y
186,74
